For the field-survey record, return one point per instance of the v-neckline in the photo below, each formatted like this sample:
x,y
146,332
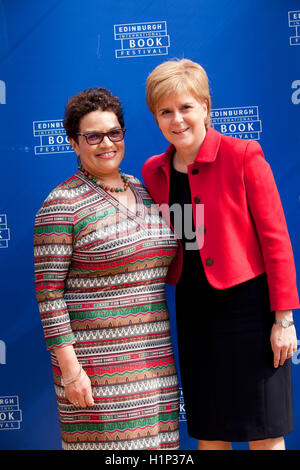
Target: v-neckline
x,y
137,214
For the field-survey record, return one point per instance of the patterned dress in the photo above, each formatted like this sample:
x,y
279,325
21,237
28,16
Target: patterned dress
x,y
100,274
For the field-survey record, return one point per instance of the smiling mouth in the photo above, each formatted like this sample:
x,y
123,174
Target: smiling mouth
x,y
181,131
106,155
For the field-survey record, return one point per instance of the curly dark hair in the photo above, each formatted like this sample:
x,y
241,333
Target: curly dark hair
x,y
87,101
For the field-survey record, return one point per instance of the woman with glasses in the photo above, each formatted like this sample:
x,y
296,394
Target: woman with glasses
x,y
102,253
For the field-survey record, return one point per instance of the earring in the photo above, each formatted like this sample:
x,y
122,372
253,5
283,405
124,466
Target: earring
x,y
80,167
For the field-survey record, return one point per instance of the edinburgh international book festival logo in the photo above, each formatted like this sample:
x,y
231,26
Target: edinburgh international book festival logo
x,y
141,39
242,122
52,137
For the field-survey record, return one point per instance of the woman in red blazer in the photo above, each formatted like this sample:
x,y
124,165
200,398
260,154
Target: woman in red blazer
x,y
235,292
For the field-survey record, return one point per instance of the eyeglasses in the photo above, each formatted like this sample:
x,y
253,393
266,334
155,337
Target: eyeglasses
x,y
94,138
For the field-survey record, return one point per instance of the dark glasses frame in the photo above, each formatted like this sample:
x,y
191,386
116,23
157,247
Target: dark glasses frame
x,y
101,136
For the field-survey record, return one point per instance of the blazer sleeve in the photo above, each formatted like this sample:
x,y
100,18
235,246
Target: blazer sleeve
x,y
53,241
266,211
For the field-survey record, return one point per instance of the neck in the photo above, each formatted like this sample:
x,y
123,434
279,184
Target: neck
x,y
113,178
184,157
109,184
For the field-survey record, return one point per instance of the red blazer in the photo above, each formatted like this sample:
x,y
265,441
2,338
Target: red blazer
x,y
245,228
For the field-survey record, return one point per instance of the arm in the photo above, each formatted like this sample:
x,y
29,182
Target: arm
x,y
53,238
52,256
267,213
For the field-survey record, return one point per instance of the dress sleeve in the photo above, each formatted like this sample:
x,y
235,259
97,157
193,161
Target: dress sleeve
x,y
266,210
53,246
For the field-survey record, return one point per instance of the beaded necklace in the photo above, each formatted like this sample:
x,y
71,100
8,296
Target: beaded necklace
x,y
105,186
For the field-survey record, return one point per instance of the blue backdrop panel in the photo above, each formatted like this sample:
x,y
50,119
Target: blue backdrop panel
x,y
51,50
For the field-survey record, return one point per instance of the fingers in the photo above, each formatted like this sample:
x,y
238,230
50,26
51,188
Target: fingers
x,y
281,354
89,398
82,401
80,393
276,357
284,343
291,350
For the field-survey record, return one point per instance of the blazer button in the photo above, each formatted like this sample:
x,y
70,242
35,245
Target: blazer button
x,y
209,262
195,171
196,200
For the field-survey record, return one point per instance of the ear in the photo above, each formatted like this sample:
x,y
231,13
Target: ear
x,y
155,118
205,107
74,145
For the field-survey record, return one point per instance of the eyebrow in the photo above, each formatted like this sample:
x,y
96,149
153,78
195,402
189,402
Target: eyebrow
x,y
93,131
183,104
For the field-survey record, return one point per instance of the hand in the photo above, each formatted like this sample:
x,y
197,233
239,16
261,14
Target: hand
x,y
283,340
80,392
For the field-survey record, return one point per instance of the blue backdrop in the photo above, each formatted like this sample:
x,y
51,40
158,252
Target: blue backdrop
x,y
51,50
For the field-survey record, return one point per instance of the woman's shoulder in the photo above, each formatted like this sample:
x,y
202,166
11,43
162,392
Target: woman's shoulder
x,y
133,179
70,183
238,145
157,160
141,189
68,188
65,194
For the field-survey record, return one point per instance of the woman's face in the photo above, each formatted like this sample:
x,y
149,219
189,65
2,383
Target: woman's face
x,y
181,119
100,160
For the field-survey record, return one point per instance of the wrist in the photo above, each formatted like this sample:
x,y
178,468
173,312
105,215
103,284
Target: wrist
x,y
67,360
284,315
71,379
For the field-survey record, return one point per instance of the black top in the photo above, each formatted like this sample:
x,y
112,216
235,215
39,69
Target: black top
x,y
182,219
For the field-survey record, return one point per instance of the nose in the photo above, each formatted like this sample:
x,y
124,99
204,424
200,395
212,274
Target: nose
x,y
177,116
106,142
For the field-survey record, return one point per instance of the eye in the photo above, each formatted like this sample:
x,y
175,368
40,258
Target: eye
x,y
92,137
115,133
165,111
